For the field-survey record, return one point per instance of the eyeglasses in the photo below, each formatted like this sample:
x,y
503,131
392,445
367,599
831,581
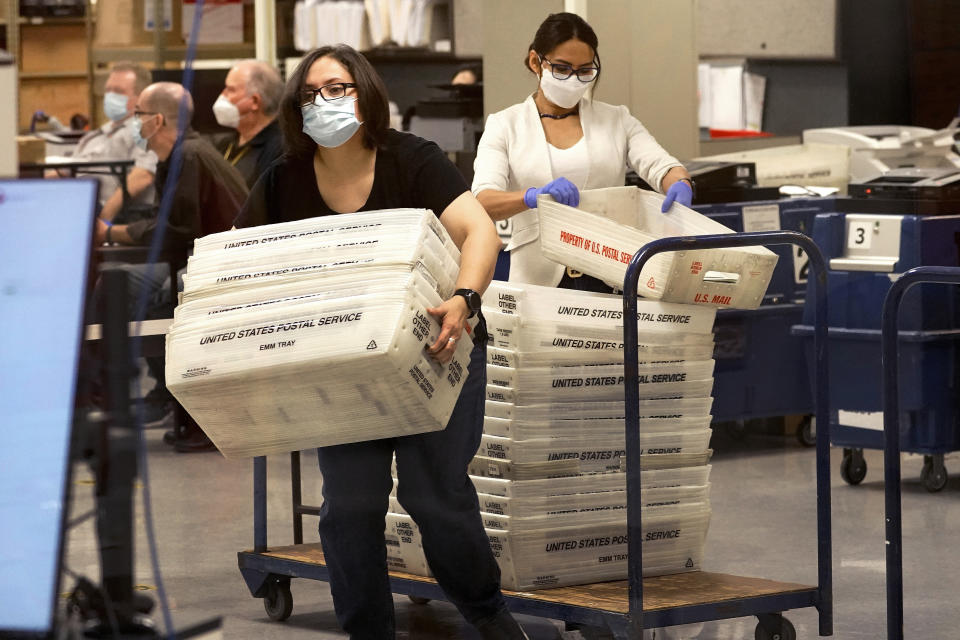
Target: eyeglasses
x,y
328,92
137,113
562,71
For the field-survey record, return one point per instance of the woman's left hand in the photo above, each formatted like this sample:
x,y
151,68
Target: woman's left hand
x,y
452,315
680,191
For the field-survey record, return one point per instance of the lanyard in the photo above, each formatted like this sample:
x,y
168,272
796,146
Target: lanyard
x,y
226,154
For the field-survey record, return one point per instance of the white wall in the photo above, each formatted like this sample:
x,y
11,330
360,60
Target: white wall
x,y
648,49
508,30
804,29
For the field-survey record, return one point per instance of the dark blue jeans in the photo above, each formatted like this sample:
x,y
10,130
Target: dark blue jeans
x,y
434,488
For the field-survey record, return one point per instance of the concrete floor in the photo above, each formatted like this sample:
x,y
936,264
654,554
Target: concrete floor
x,y
763,525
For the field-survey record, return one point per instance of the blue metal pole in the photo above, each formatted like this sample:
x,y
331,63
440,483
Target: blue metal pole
x,y
260,504
632,408
891,434
822,413
632,425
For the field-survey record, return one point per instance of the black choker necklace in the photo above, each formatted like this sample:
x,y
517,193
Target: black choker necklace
x,y
559,117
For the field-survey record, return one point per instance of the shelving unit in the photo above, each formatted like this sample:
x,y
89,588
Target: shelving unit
x,y
63,61
53,60
173,53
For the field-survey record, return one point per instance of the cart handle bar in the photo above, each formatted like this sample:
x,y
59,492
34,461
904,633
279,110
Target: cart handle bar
x,y
822,399
891,433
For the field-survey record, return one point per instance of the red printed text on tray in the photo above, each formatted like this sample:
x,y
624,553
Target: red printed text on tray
x,y
590,246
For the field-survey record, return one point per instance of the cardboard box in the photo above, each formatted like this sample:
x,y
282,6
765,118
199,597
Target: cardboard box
x,y
129,23
31,149
222,21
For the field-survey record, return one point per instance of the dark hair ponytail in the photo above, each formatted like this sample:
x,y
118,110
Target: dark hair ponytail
x,y
557,29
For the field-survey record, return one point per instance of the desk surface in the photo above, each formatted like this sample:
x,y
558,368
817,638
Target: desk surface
x,y
67,163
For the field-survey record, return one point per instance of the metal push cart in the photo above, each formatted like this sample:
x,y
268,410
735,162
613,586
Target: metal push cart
x,y
891,433
625,607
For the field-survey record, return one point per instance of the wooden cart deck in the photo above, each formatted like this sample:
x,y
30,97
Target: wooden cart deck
x,y
661,592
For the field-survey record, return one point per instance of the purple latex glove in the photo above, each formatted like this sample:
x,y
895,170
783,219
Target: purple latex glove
x,y
680,191
562,190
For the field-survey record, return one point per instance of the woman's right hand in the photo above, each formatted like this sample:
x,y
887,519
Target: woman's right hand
x,y
562,190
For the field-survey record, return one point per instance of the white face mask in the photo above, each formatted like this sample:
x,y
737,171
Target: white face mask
x,y
115,106
226,113
136,126
330,124
563,93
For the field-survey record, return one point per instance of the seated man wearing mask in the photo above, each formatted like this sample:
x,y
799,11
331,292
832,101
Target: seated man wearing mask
x,y
114,141
207,194
249,103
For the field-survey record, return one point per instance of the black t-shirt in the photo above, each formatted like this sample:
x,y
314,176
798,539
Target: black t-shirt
x,y
207,196
253,158
409,172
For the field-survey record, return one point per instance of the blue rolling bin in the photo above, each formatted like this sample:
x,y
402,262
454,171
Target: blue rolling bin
x,y
865,253
761,368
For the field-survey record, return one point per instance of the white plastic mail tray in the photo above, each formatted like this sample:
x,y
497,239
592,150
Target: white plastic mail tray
x,y
600,237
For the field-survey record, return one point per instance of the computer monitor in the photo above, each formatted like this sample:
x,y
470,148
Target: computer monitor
x,y
206,87
45,245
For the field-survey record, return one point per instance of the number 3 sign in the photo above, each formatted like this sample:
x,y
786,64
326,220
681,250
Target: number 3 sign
x,y
859,235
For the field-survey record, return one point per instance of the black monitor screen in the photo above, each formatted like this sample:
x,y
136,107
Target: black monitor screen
x,y
207,85
45,237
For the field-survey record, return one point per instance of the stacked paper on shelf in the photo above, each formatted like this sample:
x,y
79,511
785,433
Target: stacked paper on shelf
x,y
271,353
600,237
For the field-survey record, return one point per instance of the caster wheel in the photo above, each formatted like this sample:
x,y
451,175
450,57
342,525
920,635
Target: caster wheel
x,y
853,468
933,475
807,432
785,632
278,602
418,600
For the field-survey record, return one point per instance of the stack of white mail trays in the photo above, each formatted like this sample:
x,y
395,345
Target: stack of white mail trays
x,y
549,472
313,333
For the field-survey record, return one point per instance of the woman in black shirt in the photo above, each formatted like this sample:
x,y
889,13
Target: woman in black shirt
x,y
342,158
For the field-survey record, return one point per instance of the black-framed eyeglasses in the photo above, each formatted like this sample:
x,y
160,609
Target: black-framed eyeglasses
x,y
562,70
332,91
137,113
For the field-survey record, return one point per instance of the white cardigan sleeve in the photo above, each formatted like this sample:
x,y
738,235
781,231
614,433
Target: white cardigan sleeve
x,y
644,153
491,167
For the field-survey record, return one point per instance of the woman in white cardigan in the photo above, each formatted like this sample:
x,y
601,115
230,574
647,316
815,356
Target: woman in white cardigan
x,y
557,142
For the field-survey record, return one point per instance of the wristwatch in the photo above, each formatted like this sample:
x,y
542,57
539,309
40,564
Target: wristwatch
x,y
472,298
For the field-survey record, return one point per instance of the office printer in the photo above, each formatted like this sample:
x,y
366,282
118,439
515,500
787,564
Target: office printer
x,y
454,121
911,184
875,150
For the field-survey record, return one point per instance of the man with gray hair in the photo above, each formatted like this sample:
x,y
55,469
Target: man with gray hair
x,y
112,141
249,103
208,192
